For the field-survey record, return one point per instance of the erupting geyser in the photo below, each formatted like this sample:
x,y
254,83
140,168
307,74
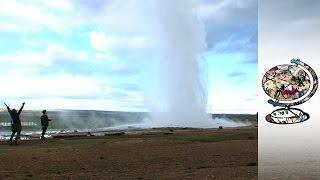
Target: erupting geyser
x,y
178,98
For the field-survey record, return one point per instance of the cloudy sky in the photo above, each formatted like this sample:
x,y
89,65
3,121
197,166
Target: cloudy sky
x,y
94,54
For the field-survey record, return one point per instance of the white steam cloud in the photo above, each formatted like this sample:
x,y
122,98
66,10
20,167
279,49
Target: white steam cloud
x,y
177,98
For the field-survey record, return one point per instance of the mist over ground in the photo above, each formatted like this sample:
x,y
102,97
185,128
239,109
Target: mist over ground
x,y
86,120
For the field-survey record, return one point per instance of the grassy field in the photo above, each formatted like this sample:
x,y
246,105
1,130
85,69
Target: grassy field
x,y
177,154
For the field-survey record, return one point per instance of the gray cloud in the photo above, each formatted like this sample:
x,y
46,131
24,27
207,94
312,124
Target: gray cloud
x,y
235,22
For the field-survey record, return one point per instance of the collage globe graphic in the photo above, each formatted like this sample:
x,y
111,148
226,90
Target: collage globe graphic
x,y
289,85
286,82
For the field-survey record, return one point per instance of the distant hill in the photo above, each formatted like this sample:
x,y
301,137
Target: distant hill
x,y
80,119
238,117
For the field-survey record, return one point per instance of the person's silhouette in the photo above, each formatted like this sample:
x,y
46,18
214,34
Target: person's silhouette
x,y
44,122
15,124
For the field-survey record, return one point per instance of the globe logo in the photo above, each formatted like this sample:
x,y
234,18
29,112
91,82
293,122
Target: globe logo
x,y
289,85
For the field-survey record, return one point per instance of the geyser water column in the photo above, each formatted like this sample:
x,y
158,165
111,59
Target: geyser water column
x,y
178,98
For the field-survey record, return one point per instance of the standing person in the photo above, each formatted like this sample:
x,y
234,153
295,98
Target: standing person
x,y
44,122
15,124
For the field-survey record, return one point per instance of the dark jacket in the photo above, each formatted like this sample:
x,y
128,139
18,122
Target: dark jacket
x,y
15,116
45,120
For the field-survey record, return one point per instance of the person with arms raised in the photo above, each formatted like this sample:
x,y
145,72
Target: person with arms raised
x,y
15,124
